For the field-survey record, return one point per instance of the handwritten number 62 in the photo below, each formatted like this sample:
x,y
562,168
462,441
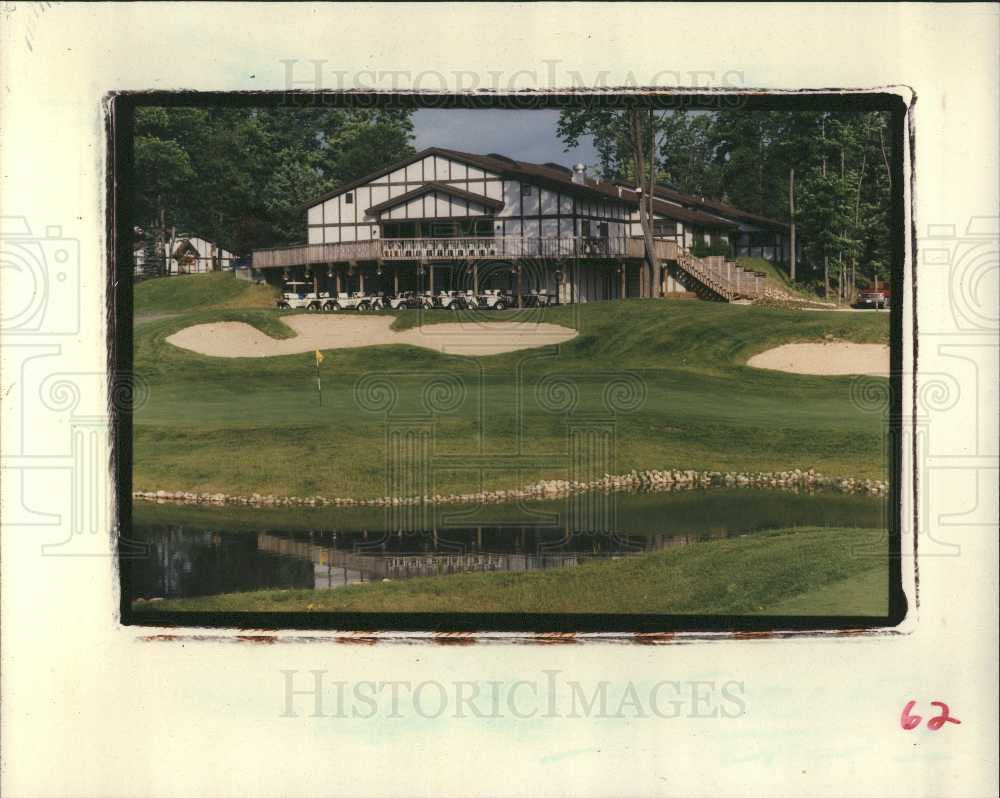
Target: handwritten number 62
x,y
910,721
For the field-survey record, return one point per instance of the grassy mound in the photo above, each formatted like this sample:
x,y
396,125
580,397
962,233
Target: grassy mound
x,y
249,425
783,569
777,276
190,292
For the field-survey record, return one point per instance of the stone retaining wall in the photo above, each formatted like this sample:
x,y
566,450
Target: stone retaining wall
x,y
635,481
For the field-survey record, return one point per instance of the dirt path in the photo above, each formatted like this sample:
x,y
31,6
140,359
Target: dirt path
x,y
236,339
826,359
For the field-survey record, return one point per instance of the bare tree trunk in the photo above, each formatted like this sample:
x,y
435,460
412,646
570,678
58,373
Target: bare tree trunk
x,y
656,278
857,223
885,157
791,218
161,238
841,282
635,119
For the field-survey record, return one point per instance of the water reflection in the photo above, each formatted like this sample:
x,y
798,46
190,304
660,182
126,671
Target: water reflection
x,y
205,551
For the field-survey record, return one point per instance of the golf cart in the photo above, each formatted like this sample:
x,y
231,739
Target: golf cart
x,y
450,300
408,300
494,300
344,301
539,299
295,297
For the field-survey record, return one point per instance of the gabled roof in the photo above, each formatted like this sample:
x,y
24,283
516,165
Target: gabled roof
x,y
723,209
548,176
682,214
433,186
185,238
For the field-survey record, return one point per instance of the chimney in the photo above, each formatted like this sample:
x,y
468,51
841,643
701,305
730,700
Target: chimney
x,y
580,174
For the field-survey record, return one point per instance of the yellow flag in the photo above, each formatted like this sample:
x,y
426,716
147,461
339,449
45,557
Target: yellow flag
x,y
319,357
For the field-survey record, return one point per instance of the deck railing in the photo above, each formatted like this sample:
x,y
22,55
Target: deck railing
x,y
478,248
721,276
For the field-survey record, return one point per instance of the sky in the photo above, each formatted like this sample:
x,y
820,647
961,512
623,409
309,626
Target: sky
x,y
521,135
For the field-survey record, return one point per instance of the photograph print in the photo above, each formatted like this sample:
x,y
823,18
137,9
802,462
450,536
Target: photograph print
x,y
597,367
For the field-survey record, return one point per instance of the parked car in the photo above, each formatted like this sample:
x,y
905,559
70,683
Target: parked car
x,y
878,296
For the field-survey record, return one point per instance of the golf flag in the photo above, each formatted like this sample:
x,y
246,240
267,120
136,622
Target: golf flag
x,y
319,385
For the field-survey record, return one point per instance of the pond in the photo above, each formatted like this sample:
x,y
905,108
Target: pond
x,y
177,551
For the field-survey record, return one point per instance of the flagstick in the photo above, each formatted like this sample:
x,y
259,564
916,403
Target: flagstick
x,y
319,386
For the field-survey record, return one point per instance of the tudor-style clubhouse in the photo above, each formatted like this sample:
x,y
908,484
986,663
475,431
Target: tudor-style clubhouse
x,y
449,221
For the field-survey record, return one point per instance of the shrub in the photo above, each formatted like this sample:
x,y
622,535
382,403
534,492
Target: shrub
x,y
718,247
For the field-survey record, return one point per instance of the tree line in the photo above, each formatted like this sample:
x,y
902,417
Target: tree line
x,y
826,172
240,176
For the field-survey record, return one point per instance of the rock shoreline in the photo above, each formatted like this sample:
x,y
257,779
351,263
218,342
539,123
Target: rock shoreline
x,y
650,480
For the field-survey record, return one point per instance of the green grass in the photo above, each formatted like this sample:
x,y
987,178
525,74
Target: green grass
x,y
856,595
190,292
794,568
254,425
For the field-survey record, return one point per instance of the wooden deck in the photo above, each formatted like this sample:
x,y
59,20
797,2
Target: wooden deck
x,y
723,279
500,248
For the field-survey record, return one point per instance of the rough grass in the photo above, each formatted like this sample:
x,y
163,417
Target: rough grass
x,y
192,292
855,595
789,568
255,425
778,278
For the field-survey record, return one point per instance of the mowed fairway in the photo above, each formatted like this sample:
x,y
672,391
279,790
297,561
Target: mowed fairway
x,y
248,425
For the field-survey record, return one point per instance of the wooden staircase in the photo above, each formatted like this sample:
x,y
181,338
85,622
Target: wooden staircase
x,y
723,279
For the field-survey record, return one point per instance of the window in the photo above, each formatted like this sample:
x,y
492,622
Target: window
x,y
585,228
602,230
525,190
664,227
349,198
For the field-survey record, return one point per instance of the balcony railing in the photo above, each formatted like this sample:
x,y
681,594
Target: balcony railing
x,y
500,247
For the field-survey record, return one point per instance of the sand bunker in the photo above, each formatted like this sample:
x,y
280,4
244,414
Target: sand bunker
x,y
236,339
827,359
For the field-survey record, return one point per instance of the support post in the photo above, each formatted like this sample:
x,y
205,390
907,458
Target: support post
x,y
623,266
430,283
475,277
337,272
361,280
395,280
520,285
